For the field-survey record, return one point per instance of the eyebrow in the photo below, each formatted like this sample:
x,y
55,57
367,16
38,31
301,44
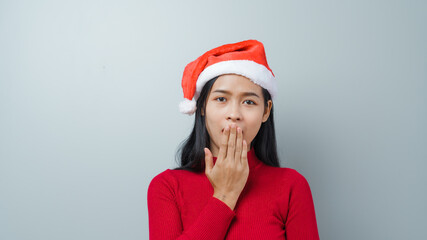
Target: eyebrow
x,y
229,93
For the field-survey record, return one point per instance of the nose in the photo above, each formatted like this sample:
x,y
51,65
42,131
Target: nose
x,y
234,113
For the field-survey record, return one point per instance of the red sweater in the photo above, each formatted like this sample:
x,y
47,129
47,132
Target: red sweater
x,y
276,203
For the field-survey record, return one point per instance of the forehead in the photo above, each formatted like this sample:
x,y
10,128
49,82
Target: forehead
x,y
235,84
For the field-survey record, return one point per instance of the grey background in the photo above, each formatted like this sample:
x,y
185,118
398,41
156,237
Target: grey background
x,y
89,94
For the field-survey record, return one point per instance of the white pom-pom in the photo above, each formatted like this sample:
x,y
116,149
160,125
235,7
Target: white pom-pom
x,y
187,106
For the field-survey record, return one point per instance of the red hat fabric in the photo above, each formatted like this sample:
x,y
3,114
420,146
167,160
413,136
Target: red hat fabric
x,y
246,58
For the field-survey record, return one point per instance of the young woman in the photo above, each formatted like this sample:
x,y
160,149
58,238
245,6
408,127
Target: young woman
x,y
230,184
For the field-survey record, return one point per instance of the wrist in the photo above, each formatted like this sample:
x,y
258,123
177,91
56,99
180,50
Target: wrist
x,y
229,199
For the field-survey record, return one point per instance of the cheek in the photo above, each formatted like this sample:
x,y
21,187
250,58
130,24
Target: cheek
x,y
212,125
212,117
253,126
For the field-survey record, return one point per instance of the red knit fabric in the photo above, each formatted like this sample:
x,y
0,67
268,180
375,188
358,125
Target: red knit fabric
x,y
276,203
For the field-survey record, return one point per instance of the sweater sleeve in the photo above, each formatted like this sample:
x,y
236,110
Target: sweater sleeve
x,y
165,218
301,220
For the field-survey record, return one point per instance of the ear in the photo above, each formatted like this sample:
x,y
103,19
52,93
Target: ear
x,y
267,111
202,112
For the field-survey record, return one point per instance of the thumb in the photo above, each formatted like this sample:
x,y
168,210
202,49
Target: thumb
x,y
208,160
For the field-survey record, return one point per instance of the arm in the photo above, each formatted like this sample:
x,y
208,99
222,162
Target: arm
x,y
228,178
301,219
165,218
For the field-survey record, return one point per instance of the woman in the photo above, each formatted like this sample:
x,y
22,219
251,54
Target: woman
x,y
230,184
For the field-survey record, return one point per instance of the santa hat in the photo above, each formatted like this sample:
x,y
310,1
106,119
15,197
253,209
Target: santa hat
x,y
246,58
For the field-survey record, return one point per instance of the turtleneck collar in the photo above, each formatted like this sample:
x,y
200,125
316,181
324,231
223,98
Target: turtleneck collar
x,y
253,161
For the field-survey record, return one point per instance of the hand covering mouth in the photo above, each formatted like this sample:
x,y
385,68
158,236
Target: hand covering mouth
x,y
224,128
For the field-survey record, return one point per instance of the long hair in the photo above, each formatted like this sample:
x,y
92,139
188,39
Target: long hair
x,y
191,155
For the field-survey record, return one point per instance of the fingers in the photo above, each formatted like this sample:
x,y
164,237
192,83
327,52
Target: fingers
x,y
239,142
244,156
208,160
232,143
223,145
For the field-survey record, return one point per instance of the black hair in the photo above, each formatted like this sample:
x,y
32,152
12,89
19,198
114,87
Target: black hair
x,y
191,155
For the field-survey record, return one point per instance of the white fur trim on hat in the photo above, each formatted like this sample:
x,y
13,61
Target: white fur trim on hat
x,y
188,107
256,72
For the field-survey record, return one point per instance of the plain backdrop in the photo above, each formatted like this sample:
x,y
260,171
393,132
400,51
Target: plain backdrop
x,y
89,94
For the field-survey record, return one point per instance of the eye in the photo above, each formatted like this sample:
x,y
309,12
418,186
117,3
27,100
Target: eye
x,y
249,102
220,99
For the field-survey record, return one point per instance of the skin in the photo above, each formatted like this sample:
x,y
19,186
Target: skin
x,y
234,112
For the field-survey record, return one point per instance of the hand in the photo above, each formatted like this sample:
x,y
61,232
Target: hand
x,y
230,173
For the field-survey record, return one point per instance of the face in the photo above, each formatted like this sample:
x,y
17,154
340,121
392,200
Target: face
x,y
234,99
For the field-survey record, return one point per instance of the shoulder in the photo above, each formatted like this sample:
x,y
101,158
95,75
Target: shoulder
x,y
298,183
165,176
170,178
163,184
284,172
288,176
294,174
